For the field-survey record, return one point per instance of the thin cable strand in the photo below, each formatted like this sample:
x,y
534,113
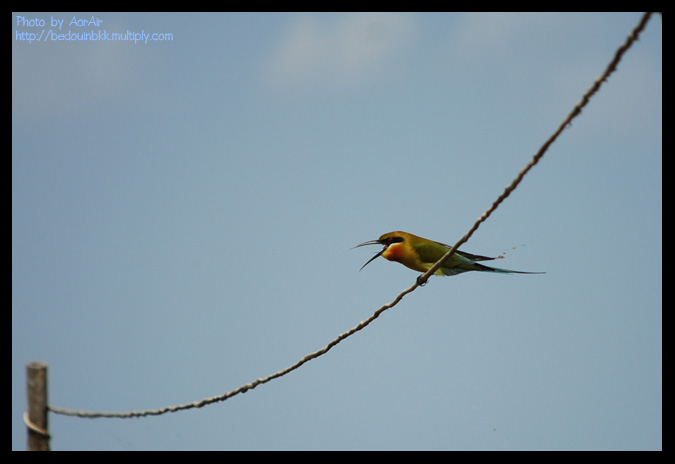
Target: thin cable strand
x,y
421,280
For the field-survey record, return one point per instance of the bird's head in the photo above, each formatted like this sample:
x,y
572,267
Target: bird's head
x,y
387,240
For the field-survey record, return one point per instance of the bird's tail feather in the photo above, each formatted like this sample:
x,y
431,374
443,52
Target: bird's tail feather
x,y
480,267
483,268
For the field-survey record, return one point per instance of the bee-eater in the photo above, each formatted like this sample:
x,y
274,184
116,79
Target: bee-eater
x,y
419,254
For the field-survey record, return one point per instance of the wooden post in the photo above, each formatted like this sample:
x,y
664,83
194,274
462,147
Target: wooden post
x,y
36,416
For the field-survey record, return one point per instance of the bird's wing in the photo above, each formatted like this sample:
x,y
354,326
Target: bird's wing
x,y
474,257
467,255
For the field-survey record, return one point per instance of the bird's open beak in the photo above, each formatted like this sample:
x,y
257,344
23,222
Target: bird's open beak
x,y
372,242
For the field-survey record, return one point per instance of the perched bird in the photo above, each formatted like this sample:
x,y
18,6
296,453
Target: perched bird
x,y
419,254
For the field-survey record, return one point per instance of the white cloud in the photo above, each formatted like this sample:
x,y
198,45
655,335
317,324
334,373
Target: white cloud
x,y
337,50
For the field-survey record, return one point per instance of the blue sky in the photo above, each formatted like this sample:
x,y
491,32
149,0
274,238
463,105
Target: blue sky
x,y
183,210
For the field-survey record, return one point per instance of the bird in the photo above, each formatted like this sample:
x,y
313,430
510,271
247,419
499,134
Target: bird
x,y
420,254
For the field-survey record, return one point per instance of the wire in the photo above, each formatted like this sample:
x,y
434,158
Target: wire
x,y
35,428
421,280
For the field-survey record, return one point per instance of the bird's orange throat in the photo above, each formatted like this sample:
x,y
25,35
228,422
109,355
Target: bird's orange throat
x,y
394,252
